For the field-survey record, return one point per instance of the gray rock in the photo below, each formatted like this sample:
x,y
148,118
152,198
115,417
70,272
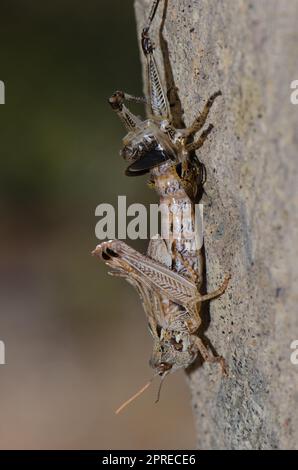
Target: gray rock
x,y
248,50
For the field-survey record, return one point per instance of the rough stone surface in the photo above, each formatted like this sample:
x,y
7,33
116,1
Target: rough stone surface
x,y
248,50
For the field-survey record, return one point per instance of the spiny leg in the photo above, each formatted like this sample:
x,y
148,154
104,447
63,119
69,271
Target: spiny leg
x,y
158,101
158,104
197,144
208,356
217,292
129,119
201,118
135,99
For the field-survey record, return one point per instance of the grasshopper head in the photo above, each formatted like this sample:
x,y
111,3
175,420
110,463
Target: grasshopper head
x,y
171,351
144,149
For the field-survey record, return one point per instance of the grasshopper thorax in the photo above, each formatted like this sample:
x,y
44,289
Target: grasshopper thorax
x,y
145,148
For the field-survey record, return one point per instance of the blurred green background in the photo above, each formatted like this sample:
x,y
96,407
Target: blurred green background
x,y
76,340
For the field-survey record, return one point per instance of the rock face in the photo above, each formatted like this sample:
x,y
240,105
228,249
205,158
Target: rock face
x,y
248,50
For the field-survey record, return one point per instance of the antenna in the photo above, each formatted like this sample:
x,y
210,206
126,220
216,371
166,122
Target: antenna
x,y
136,395
152,13
160,386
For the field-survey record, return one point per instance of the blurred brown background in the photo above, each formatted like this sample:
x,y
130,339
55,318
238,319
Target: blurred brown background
x,y
76,340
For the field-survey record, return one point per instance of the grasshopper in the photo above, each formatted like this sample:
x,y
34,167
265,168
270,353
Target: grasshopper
x,y
169,278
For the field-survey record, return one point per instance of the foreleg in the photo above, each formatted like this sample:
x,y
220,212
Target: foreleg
x,y
201,118
198,144
129,119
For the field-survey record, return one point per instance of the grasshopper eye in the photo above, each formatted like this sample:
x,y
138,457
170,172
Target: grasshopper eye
x,y
164,367
128,153
112,253
158,330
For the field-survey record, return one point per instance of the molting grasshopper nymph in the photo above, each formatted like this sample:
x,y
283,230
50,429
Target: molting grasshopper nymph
x,y
169,278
